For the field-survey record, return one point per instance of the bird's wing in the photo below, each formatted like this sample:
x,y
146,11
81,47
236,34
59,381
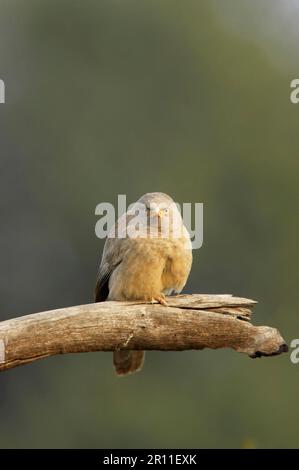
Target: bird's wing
x,y
110,260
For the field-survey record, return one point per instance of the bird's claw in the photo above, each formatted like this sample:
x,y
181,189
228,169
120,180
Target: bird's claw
x,y
160,299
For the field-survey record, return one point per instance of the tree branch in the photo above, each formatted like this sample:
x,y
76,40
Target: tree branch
x,y
188,322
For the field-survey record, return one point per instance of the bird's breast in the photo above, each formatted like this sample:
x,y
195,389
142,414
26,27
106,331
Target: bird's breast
x,y
148,268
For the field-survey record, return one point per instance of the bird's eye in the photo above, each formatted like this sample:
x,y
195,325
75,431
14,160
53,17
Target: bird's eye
x,y
165,210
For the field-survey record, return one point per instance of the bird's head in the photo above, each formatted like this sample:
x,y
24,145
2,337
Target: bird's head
x,y
161,212
157,205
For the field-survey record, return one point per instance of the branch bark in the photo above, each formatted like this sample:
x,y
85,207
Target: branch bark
x,y
188,322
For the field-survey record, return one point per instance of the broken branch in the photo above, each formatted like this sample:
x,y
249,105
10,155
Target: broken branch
x,y
188,322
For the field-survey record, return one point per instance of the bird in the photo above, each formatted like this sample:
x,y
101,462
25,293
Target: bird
x,y
153,261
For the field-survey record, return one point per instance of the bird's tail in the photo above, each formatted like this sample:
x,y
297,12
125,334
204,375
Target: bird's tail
x,y
128,362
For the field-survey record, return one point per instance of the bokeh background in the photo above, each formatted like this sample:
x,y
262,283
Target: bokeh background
x,y
125,97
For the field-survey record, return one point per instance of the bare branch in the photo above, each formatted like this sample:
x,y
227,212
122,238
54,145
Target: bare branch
x,y
188,322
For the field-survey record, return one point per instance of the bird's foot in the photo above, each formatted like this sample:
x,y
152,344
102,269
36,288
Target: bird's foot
x,y
161,299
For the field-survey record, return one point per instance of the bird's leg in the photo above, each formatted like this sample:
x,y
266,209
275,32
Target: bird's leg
x,y
161,299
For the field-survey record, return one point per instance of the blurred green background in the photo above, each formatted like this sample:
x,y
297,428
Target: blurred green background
x,y
125,97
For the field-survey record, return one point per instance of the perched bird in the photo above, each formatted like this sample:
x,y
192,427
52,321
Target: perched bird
x,y
147,255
